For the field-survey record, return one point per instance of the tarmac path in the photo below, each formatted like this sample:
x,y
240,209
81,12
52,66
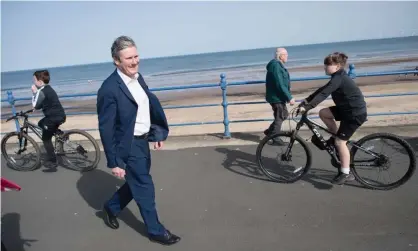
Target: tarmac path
x,y
215,199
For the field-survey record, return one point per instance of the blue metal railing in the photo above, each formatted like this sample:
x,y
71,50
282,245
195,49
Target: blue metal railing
x,y
223,84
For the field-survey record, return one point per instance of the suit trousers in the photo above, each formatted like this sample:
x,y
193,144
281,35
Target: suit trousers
x,y
138,186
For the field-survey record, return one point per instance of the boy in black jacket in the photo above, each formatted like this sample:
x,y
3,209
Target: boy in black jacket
x,y
45,98
350,109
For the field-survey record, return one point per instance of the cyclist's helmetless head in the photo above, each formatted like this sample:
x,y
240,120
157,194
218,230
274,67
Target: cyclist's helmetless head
x,y
334,62
41,77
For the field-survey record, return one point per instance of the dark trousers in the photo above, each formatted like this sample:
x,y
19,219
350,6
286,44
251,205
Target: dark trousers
x,y
49,128
138,186
280,114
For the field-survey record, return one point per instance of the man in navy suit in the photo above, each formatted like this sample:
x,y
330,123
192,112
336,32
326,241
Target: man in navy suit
x,y
130,116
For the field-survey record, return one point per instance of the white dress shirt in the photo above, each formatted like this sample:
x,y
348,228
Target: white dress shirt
x,y
143,120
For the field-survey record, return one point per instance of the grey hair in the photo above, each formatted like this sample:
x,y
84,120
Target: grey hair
x,y
121,43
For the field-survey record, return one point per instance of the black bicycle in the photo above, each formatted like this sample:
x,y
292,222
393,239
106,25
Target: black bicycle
x,y
370,161
18,143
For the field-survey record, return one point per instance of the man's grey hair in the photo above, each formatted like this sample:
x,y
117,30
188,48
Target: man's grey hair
x,y
121,43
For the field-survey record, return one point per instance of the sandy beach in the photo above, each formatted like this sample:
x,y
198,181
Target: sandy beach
x,y
300,89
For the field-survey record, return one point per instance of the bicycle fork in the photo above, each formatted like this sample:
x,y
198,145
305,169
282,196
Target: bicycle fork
x,y
65,140
287,156
25,143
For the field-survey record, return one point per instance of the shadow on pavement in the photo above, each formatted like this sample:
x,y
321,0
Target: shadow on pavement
x,y
414,143
97,186
10,227
239,135
247,166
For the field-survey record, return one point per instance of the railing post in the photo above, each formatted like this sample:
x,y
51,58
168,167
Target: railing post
x,y
11,100
223,85
352,71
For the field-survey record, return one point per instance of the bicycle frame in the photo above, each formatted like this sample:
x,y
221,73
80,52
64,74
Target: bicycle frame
x,y
61,138
330,150
24,129
28,125
34,128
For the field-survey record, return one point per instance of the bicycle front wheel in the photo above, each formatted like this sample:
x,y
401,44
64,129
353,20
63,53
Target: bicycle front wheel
x,y
78,150
276,153
397,158
21,152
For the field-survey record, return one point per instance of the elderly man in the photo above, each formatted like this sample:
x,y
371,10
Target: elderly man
x,y
278,91
130,116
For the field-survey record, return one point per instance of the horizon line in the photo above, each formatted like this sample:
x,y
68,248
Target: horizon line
x,y
206,53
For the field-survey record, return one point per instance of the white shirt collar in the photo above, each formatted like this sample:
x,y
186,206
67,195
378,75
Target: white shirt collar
x,y
126,79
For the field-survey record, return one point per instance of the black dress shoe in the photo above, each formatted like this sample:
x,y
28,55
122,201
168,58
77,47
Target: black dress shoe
x,y
166,239
110,219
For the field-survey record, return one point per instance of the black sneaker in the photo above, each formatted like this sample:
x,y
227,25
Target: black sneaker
x,y
51,166
351,177
341,178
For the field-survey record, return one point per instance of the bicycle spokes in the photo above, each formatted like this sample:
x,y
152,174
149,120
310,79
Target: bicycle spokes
x,y
383,161
21,153
80,149
286,162
23,143
74,148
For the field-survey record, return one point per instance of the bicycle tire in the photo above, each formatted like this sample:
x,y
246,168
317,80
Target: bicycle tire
x,y
289,135
91,139
406,146
8,158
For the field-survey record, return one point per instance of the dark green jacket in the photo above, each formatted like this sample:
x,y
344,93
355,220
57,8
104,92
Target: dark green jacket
x,y
277,83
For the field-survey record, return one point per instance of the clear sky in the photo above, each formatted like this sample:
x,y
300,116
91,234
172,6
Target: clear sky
x,y
48,34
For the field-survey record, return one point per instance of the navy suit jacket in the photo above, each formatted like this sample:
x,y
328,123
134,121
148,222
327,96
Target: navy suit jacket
x,y
117,111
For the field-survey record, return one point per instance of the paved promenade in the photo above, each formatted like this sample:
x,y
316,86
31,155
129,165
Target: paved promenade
x,y
215,199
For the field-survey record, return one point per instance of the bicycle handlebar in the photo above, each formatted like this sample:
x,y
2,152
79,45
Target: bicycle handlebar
x,y
20,114
298,111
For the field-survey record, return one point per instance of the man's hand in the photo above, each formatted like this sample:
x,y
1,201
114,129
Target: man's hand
x,y
158,145
118,172
34,89
292,101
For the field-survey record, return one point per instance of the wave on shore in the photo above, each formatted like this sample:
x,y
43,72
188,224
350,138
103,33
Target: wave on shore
x,y
304,61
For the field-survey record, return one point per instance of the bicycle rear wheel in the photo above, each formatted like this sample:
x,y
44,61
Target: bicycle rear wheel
x,y
13,147
383,162
277,168
80,143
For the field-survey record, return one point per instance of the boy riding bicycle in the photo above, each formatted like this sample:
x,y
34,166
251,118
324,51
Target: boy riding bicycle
x,y
350,109
45,98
